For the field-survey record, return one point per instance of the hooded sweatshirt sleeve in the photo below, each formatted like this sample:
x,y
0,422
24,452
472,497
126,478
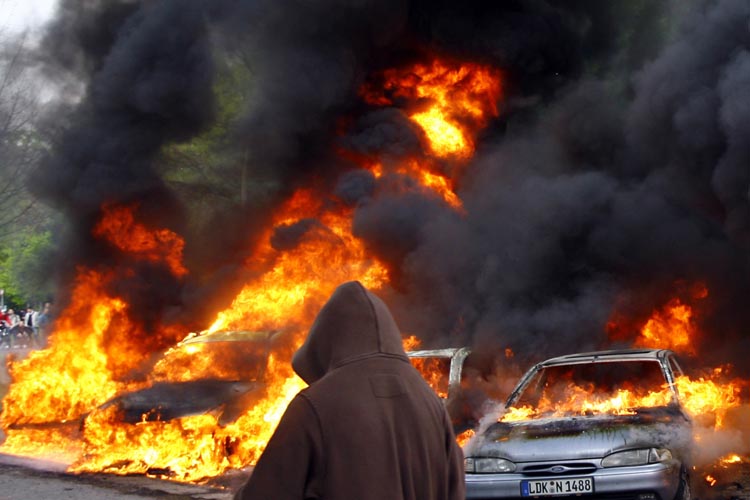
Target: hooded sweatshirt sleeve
x,y
289,468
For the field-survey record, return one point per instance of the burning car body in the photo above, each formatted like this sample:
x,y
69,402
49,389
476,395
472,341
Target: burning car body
x,y
603,424
224,391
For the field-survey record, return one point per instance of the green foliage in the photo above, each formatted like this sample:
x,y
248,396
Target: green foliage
x,y
633,33
206,173
25,242
207,156
22,263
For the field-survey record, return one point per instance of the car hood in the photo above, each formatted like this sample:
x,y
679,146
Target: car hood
x,y
168,400
582,437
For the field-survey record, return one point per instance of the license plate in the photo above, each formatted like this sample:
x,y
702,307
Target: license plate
x,y
552,487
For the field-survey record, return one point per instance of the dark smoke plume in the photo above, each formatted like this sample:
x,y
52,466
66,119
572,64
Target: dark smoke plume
x,y
604,201
150,81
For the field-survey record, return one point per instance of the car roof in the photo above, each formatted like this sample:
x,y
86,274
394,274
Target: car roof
x,y
435,353
608,356
229,336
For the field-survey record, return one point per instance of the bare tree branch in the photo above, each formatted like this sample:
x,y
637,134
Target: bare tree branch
x,y
20,149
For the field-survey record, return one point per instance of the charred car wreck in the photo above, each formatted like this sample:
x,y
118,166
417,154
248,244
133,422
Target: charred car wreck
x,y
182,387
601,425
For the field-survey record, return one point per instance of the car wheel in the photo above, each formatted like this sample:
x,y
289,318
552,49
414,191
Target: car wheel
x,y
684,491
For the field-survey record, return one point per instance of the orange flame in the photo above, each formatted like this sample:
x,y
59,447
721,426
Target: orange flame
x,y
460,97
435,371
707,398
583,401
302,279
118,226
411,343
435,183
731,459
701,398
672,328
83,374
450,103
285,298
93,349
464,437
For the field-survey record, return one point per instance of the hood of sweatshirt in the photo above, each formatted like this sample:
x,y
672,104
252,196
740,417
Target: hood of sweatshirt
x,y
352,325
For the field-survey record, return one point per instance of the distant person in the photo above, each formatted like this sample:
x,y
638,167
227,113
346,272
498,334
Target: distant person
x,y
12,318
13,321
43,322
5,339
368,427
30,319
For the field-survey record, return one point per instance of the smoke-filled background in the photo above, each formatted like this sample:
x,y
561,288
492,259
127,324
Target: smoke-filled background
x,y
615,177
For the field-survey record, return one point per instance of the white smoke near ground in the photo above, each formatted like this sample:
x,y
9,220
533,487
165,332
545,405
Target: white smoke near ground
x,y
493,411
733,437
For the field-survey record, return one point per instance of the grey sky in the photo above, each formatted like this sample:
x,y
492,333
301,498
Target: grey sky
x,y
17,15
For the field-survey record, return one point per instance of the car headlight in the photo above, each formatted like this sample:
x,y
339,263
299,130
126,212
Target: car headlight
x,y
641,456
487,465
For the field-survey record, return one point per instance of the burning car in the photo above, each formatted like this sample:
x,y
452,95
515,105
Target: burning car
x,y
605,424
190,414
441,368
188,380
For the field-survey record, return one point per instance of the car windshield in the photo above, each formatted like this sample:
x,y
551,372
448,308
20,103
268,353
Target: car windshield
x,y
619,387
231,355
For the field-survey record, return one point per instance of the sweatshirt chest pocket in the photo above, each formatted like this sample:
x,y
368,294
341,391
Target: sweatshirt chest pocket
x,y
386,385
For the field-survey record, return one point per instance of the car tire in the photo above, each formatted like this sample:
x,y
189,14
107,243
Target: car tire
x,y
684,491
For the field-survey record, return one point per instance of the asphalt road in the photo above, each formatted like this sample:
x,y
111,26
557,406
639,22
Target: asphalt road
x,y
20,480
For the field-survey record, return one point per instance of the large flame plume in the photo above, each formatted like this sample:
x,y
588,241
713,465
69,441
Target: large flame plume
x,y
92,358
450,102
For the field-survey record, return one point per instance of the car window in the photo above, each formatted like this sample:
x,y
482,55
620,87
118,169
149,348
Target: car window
x,y
240,356
436,371
595,387
676,370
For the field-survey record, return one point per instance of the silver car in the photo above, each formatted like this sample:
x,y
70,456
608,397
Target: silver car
x,y
552,443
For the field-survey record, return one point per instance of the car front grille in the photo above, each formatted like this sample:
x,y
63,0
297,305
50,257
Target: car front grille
x,y
560,469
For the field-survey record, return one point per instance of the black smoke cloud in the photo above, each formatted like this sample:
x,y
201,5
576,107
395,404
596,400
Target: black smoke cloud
x,y
152,86
605,201
386,133
617,168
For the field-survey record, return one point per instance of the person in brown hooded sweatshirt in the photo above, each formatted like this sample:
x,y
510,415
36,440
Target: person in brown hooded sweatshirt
x,y
368,427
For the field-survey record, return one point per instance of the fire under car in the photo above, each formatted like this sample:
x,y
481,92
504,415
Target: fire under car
x,y
601,425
